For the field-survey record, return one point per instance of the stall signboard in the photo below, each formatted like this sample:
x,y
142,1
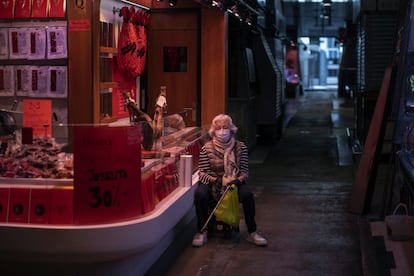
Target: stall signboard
x,y
107,174
37,114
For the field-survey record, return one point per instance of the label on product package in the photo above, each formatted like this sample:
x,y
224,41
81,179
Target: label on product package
x,y
107,174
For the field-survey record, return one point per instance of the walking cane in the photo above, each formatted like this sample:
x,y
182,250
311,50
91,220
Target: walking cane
x,y
215,208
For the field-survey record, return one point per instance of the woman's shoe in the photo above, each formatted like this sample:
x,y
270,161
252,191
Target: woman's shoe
x,y
200,239
257,239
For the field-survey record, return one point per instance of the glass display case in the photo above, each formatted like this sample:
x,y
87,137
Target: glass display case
x,y
103,167
102,185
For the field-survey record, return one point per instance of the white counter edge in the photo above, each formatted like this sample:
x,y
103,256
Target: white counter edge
x,y
97,242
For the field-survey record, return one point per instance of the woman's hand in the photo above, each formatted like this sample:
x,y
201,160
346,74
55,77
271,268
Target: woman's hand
x,y
216,180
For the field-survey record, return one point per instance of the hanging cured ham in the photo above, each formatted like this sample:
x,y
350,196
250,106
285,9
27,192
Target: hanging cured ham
x,y
132,44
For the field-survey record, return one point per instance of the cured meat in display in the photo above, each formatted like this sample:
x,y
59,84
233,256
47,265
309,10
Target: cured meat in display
x,y
43,158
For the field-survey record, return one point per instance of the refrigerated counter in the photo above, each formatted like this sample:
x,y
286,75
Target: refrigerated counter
x,y
38,222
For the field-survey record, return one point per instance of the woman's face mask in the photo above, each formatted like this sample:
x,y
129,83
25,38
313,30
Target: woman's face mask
x,y
223,135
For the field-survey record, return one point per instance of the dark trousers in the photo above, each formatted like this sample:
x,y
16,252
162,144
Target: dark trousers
x,y
203,196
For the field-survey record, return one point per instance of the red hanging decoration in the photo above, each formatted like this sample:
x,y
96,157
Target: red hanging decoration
x,y
132,44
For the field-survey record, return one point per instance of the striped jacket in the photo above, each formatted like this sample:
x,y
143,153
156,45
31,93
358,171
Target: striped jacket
x,y
211,161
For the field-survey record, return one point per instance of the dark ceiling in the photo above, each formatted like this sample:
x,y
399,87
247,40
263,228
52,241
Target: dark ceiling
x,y
311,19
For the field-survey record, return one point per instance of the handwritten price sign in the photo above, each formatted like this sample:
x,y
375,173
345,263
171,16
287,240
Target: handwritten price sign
x,y
37,114
107,174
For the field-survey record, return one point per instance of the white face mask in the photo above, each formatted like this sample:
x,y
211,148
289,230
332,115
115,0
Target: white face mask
x,y
223,135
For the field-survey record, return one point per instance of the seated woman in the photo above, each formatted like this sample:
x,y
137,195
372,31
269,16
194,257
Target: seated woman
x,y
224,160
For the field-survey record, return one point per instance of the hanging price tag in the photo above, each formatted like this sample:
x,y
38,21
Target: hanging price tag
x,y
107,174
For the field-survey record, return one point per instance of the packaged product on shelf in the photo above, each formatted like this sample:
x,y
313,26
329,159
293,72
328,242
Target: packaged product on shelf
x,y
6,80
57,9
23,80
19,43
58,82
57,42
39,9
4,45
37,43
39,80
22,9
7,10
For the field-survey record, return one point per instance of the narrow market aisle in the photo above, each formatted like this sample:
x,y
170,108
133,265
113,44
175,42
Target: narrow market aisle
x,y
302,192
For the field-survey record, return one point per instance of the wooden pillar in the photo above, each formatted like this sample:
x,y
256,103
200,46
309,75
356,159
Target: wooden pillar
x,y
213,64
80,61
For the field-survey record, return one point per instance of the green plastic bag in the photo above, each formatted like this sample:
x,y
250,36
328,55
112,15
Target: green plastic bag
x,y
229,211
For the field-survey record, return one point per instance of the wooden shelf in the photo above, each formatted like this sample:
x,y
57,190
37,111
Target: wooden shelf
x,y
107,120
106,85
108,50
